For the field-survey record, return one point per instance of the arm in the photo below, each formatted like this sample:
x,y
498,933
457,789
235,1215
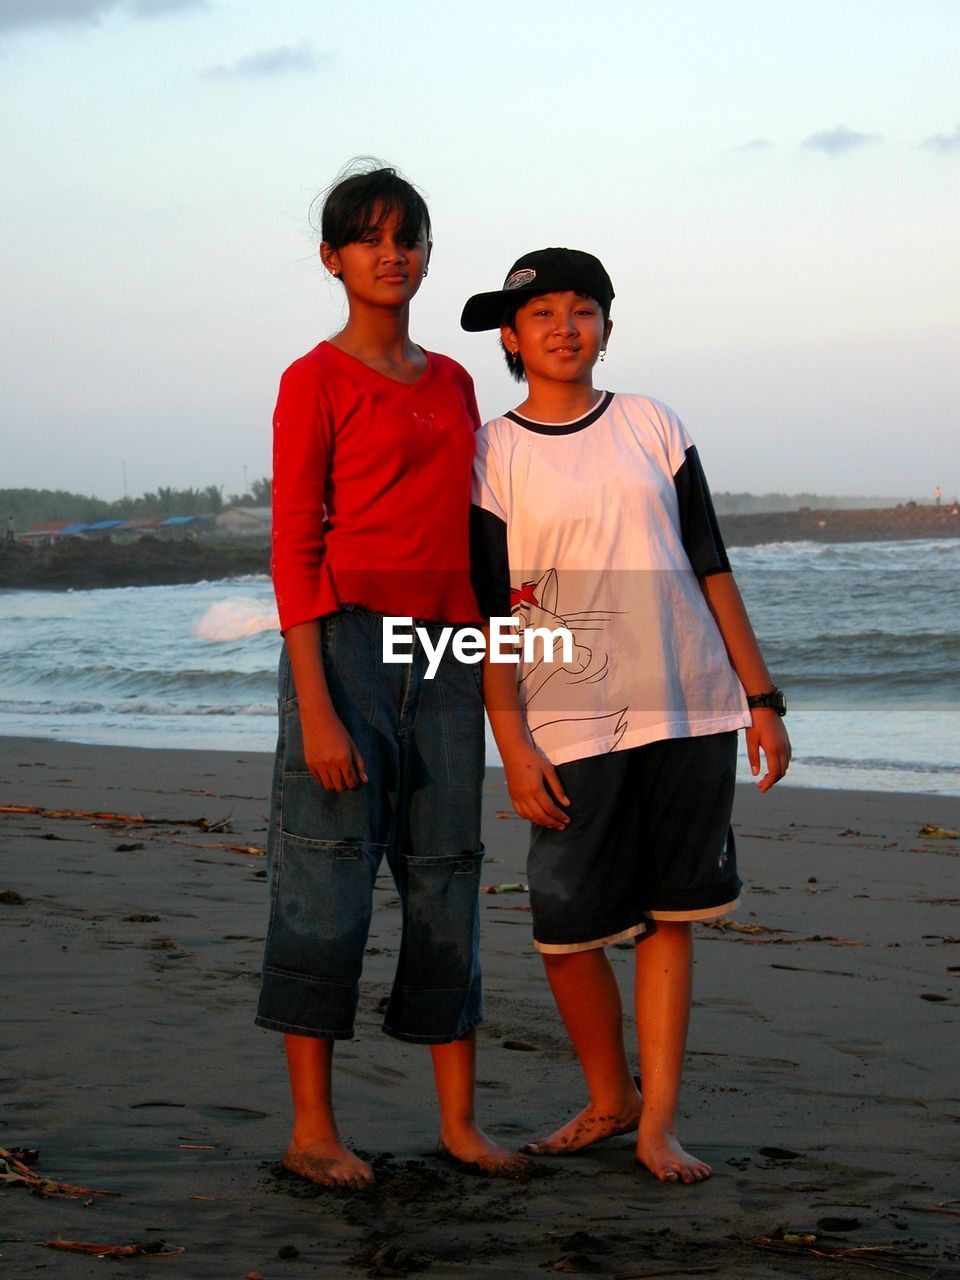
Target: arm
x,y
532,781
301,460
329,752
703,543
767,733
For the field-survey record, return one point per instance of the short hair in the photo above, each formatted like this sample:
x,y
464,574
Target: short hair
x,y
364,195
509,318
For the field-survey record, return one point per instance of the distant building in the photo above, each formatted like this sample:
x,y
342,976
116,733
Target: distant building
x,y
137,528
177,528
245,522
96,531
45,533
171,529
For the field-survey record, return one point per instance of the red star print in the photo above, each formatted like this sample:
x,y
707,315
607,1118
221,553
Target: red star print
x,y
523,595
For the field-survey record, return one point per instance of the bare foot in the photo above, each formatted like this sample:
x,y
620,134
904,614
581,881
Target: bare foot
x,y
470,1148
663,1155
329,1163
587,1128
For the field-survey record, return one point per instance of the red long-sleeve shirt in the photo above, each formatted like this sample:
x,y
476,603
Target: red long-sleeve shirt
x,y
371,490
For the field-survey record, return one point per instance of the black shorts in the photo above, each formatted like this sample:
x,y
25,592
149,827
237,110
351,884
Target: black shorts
x,y
649,838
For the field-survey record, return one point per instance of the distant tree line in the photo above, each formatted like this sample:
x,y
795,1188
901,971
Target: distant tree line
x,y
35,506
730,504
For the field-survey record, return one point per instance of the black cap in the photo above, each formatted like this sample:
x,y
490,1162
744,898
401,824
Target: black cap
x,y
543,271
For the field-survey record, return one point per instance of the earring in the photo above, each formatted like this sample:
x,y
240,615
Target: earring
x,y
426,272
335,274
603,355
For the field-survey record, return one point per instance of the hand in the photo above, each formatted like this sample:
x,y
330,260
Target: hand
x,y
331,754
535,786
768,734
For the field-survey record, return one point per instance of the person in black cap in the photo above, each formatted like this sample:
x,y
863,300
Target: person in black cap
x,y
592,516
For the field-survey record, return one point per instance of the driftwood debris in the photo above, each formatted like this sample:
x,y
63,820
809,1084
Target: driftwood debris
x,y
14,1173
930,831
251,850
724,925
119,819
153,1248
886,1258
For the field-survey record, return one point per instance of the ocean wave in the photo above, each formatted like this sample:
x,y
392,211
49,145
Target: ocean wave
x,y
116,683
890,557
208,709
868,656
236,618
10,708
878,765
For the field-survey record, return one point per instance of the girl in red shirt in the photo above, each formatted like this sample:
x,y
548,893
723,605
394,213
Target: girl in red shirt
x,y
373,448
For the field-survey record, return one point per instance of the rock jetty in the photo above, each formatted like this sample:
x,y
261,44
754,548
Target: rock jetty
x,y
74,564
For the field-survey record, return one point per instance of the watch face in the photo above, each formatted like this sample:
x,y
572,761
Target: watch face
x,y
774,700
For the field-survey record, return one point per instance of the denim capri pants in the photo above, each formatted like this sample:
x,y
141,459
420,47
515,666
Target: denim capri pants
x,y
422,743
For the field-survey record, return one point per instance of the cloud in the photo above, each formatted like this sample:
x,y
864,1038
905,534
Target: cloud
x,y
835,141
755,144
156,8
18,15
269,62
943,142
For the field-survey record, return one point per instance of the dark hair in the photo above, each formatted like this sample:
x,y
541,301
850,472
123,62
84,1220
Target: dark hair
x,y
509,318
364,194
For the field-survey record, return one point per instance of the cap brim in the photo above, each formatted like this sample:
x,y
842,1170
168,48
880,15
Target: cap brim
x,y
484,310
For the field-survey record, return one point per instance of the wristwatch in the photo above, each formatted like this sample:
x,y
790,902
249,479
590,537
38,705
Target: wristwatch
x,y
773,699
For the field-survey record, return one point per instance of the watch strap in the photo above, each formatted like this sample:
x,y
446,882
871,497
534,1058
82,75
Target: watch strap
x,y
773,698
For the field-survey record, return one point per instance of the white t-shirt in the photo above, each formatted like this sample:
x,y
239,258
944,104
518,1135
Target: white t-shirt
x,y
603,526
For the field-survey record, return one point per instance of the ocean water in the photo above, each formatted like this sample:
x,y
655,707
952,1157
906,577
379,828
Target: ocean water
x,y
863,637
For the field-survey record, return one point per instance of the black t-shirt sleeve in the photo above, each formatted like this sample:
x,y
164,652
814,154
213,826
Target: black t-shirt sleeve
x,y
699,529
489,563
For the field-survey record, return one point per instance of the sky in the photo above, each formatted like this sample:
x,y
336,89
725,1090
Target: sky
x,y
772,185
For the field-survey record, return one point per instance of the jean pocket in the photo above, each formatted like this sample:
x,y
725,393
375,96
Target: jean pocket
x,y
441,930
294,761
322,895
329,630
285,690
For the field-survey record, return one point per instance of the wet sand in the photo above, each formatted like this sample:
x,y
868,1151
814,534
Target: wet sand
x,y
822,1078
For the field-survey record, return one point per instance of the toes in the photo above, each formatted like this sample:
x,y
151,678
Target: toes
x,y
509,1166
327,1173
497,1164
687,1174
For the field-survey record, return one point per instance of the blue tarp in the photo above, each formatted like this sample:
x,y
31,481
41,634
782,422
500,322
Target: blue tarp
x,y
72,529
102,525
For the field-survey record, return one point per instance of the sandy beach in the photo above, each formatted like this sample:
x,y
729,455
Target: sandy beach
x,y
821,1084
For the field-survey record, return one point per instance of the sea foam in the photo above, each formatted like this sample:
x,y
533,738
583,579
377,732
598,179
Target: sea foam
x,y
233,619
